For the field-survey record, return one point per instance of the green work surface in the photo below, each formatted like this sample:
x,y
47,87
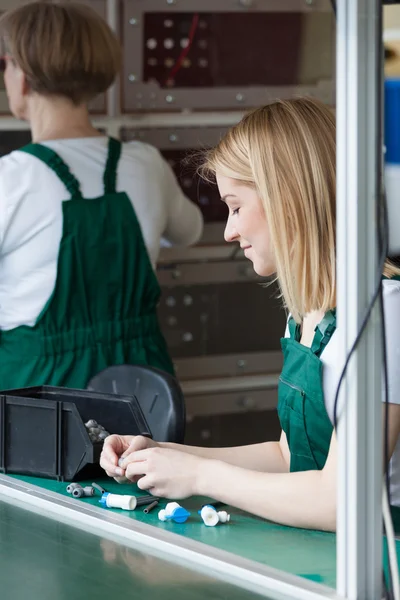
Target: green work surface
x,y
43,559
309,554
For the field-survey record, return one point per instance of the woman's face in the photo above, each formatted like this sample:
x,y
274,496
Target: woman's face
x,y
15,83
247,224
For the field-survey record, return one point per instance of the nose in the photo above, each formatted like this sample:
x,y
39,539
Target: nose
x,y
230,233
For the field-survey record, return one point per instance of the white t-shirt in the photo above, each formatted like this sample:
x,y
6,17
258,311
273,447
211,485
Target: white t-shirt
x,y
333,364
31,197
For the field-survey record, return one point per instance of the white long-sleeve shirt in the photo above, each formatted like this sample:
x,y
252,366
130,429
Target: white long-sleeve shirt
x,y
31,197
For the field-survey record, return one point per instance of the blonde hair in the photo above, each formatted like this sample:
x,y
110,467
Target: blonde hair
x,y
64,49
287,152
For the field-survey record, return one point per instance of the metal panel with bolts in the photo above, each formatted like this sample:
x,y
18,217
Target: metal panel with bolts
x,y
181,146
175,53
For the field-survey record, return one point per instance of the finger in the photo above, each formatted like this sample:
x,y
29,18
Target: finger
x,y
114,444
140,442
146,483
110,467
135,469
122,480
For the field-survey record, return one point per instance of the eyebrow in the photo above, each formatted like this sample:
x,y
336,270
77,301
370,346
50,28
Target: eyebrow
x,y
223,198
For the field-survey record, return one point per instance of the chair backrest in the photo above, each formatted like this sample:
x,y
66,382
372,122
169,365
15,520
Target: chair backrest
x,y
158,393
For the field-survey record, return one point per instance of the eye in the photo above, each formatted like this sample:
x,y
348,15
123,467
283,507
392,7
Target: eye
x,y
235,211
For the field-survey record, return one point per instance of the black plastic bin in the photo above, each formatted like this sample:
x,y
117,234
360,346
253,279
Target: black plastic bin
x,y
43,433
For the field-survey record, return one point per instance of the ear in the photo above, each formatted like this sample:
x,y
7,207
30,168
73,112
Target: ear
x,y
25,87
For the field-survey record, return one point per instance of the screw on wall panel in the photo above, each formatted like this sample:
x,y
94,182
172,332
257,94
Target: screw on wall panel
x,y
171,1
246,402
169,99
173,137
241,363
246,2
170,301
187,300
132,77
309,2
133,21
239,97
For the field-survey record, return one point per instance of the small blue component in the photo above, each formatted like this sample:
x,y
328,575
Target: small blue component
x,y
103,499
179,515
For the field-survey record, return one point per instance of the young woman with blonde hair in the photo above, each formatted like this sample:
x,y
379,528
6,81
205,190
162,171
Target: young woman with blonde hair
x,y
81,215
276,172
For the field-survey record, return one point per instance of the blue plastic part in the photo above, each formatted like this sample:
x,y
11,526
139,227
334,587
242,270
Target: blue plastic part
x,y
179,515
392,121
103,499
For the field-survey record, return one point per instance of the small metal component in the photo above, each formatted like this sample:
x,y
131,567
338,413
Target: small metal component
x,y
239,97
246,3
98,488
241,363
173,137
94,431
88,491
71,487
141,500
103,435
133,21
150,507
309,2
91,423
169,98
132,77
77,492
171,1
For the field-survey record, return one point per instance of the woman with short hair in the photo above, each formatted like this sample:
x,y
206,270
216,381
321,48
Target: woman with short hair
x,y
81,215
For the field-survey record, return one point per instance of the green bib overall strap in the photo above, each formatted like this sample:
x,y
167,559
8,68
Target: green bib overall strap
x,y
110,173
56,164
301,405
103,310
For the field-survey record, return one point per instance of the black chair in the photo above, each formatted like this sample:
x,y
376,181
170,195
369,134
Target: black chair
x,y
158,393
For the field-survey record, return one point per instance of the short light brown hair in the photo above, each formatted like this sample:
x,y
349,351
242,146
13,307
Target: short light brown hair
x,y
64,49
286,151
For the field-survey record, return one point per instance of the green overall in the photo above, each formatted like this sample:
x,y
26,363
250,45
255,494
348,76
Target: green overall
x,y
103,308
301,404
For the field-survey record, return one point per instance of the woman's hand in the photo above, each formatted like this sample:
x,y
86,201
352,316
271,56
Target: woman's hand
x,y
166,473
116,448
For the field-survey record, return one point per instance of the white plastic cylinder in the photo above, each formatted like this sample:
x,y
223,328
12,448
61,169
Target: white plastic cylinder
x,y
223,516
124,502
209,515
162,515
171,506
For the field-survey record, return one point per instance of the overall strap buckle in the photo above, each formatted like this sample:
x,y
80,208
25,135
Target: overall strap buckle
x,y
323,332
